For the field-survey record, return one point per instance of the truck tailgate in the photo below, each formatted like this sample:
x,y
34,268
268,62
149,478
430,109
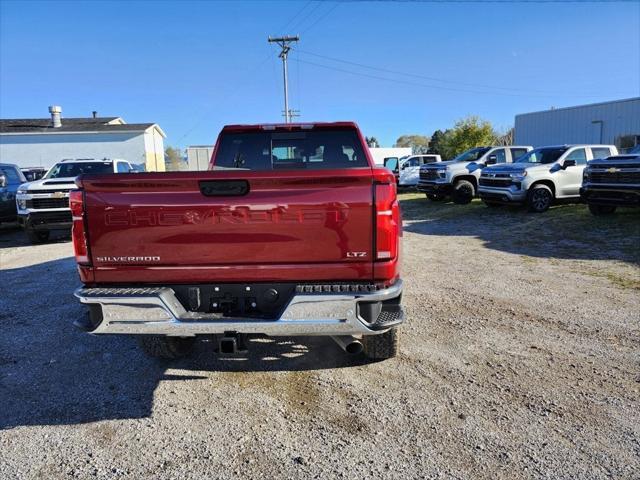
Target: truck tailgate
x,y
226,226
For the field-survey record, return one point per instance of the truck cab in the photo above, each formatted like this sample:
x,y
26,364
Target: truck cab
x,y
540,177
458,178
43,205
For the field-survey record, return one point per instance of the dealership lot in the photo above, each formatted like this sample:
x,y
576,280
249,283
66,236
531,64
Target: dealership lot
x,y
519,359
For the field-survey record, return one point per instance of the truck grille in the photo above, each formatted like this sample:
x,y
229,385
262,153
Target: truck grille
x,y
495,182
44,203
429,174
615,177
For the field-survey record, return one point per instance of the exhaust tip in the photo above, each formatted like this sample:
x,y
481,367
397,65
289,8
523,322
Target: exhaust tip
x,y
349,344
354,348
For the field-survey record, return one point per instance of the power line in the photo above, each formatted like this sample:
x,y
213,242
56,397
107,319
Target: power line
x,y
322,17
299,23
437,87
435,79
296,15
485,1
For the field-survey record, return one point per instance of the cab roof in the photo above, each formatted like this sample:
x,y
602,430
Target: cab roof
x,y
290,126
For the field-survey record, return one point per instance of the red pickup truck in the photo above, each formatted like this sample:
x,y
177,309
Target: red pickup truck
x,y
293,231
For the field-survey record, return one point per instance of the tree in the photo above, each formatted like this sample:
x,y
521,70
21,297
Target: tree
x,y
506,138
435,145
467,133
417,143
372,142
173,159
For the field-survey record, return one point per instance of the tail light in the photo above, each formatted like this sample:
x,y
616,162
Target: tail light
x,y
78,231
387,221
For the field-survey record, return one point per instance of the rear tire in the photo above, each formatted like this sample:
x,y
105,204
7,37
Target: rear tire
x,y
463,192
166,347
37,236
539,198
601,209
381,347
434,197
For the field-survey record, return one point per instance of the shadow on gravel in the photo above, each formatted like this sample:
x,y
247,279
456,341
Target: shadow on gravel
x,y
12,235
564,232
51,374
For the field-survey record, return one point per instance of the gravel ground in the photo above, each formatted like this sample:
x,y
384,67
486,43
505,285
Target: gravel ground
x,y
520,359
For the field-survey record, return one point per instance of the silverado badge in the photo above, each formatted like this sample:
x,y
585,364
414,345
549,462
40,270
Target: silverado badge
x,y
613,170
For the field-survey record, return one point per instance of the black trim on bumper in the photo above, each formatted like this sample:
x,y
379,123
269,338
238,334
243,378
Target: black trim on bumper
x,y
434,188
46,220
497,198
623,196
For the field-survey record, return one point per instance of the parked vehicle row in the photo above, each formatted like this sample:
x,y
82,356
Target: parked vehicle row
x,y
42,206
537,178
458,178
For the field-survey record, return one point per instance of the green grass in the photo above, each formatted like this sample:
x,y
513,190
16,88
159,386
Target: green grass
x,y
565,231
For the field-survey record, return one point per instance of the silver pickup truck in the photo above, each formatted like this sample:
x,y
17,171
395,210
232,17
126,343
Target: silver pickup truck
x,y
458,178
541,176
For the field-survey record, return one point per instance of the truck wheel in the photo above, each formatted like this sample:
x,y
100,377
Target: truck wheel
x,y
602,209
539,199
381,347
166,347
37,236
434,197
463,192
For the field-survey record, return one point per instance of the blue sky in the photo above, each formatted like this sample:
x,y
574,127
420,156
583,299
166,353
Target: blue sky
x,y
195,66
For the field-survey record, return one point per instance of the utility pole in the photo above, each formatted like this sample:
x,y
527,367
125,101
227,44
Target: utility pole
x,y
284,43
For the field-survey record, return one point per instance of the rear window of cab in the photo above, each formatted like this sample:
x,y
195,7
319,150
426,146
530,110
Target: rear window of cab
x,y
311,150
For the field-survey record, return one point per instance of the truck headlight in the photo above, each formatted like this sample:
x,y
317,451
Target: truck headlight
x,y
21,191
518,176
442,173
585,175
22,204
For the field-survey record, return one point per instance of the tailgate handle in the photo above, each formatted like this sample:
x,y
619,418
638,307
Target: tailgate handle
x,y
224,188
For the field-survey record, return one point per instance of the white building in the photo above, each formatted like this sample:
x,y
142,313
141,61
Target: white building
x,y
380,153
615,123
41,142
199,156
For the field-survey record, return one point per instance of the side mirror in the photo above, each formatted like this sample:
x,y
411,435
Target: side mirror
x,y
3,181
492,159
569,163
404,165
391,163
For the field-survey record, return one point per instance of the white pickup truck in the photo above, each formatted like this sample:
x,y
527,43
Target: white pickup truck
x,y
43,205
459,177
541,177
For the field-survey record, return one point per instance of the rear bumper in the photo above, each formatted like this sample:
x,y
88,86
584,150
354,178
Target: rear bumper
x,y
619,195
158,311
53,220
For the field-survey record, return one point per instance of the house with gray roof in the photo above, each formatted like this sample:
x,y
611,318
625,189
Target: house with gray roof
x,y
42,142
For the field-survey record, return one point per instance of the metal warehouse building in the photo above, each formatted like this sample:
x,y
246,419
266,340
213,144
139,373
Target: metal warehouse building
x,y
616,122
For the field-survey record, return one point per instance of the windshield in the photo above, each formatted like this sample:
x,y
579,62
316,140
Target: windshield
x,y
542,155
471,155
64,170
